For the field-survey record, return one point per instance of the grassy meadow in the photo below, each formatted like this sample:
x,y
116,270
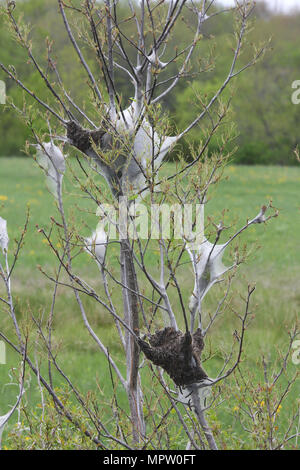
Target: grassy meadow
x,y
274,266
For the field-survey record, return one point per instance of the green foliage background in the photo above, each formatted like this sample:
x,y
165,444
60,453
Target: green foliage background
x,y
275,269
265,117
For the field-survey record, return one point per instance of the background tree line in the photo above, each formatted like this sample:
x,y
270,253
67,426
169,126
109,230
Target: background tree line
x,y
266,120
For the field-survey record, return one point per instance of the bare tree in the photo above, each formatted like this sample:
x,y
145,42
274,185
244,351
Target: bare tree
x,y
127,145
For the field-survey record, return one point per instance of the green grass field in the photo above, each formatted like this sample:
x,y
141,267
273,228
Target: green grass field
x,y
274,266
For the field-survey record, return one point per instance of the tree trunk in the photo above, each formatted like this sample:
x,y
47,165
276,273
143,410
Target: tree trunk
x,y
131,317
199,412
